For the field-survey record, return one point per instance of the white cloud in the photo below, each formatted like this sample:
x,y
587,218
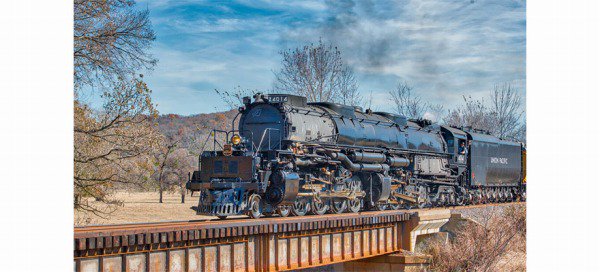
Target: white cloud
x,y
444,48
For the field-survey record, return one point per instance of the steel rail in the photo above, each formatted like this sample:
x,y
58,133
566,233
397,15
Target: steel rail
x,y
158,226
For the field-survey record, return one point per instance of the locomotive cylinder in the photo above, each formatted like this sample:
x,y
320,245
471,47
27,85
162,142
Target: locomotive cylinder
x,y
368,157
354,167
300,162
397,162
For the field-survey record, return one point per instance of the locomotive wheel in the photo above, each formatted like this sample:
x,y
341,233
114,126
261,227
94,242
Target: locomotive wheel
x,y
381,206
354,205
486,197
452,199
319,207
441,201
460,200
283,211
255,208
397,205
300,207
338,205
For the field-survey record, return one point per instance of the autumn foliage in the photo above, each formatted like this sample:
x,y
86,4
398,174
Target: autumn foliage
x,y
112,145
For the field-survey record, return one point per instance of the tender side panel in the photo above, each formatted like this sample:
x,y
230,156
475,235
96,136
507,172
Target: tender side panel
x,y
494,162
524,165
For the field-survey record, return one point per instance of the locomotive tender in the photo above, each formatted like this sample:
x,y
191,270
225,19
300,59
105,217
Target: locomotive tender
x,y
290,156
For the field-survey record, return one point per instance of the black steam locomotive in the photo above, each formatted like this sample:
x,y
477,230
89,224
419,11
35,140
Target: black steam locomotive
x,y
290,156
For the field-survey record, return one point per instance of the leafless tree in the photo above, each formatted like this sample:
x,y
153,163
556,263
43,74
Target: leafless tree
x,y
181,164
368,102
436,112
349,94
495,243
233,98
502,117
407,103
172,163
317,72
506,107
161,161
473,113
111,41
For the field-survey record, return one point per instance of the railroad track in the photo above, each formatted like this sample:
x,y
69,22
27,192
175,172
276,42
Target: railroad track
x,y
166,226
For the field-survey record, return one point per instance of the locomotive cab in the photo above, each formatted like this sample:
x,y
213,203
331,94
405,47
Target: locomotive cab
x,y
456,142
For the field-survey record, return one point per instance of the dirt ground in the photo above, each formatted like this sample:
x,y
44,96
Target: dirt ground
x,y
141,207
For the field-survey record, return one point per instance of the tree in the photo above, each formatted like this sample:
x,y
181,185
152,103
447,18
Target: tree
x,y
407,103
233,98
473,113
161,158
503,117
506,107
111,146
111,41
182,163
172,163
494,241
435,113
349,94
318,73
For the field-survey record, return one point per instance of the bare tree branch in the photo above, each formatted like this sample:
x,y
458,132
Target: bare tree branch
x,y
318,73
503,117
407,103
111,39
112,146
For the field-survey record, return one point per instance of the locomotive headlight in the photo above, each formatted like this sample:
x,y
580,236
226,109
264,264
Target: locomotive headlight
x,y
236,139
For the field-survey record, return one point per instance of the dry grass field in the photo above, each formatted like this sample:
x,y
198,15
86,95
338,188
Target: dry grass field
x,y
141,207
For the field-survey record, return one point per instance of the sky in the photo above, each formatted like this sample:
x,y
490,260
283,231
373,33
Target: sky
x,y
444,49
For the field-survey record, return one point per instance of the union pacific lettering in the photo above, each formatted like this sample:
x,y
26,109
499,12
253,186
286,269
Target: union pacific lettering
x,y
499,160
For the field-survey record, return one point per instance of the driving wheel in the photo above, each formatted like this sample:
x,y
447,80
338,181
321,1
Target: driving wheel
x,y
255,208
354,205
301,207
319,207
283,211
338,205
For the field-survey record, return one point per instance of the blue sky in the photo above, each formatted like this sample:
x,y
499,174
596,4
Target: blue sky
x,y
443,48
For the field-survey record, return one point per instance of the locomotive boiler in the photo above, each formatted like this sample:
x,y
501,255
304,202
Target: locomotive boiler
x,y
288,156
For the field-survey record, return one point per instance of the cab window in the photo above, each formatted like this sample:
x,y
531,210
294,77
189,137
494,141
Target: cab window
x,y
451,146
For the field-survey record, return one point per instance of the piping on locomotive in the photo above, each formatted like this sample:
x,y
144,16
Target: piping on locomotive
x,y
292,157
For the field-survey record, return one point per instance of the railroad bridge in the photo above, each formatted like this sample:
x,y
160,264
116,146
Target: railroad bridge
x,y
345,241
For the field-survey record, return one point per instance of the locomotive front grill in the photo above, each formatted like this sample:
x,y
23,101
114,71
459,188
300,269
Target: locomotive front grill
x,y
218,209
